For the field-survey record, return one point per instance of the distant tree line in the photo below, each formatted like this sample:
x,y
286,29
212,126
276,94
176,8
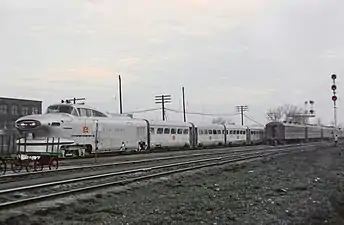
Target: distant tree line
x,y
222,121
287,113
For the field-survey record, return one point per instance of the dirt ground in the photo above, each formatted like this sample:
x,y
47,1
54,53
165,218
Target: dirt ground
x,y
304,188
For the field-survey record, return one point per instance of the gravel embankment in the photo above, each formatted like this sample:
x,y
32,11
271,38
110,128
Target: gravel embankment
x,y
304,188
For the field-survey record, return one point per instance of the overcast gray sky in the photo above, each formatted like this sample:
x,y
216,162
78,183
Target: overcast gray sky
x,y
260,53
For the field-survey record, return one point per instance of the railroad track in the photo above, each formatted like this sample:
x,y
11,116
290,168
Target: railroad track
x,y
93,167
81,161
24,195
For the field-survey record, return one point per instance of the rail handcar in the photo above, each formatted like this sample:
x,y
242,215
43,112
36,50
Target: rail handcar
x,y
210,134
170,134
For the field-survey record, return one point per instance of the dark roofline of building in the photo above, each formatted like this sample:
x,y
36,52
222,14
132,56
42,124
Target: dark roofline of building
x,y
20,99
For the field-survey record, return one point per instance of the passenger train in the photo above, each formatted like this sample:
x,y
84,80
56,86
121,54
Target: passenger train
x,y
78,129
282,133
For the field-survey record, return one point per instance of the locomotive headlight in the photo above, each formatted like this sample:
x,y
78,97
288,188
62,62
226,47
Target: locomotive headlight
x,y
27,124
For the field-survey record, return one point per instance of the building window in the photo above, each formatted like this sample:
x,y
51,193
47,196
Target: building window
x,y
3,109
25,111
15,110
35,110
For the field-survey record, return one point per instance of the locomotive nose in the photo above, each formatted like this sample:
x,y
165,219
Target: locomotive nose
x,y
27,124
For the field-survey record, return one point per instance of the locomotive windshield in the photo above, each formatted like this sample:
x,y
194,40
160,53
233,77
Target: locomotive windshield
x,y
61,109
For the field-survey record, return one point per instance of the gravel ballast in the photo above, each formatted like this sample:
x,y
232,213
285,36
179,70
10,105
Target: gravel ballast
x,y
303,188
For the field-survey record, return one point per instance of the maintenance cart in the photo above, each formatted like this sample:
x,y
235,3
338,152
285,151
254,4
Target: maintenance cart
x,y
20,152
35,156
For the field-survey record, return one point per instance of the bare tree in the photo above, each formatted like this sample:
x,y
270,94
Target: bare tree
x,y
222,121
275,114
287,112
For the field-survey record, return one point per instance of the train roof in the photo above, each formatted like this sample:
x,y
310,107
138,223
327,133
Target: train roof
x,y
169,123
285,124
76,106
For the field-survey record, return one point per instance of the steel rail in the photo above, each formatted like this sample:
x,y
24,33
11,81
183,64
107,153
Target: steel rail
x,y
125,172
131,180
224,151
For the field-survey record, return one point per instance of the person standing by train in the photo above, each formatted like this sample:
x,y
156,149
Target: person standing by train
x,y
336,139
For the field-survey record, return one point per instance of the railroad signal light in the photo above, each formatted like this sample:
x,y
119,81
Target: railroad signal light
x,y
334,98
334,87
334,76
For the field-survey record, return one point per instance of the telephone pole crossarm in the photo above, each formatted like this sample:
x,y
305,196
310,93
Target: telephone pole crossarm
x,y
163,99
241,109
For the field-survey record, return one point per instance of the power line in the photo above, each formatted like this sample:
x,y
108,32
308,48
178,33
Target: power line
x,y
253,120
203,114
142,111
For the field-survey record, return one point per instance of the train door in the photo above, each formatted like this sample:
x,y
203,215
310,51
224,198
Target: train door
x,y
193,136
225,132
248,136
274,131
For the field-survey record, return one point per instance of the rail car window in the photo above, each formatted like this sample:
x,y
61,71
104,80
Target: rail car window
x,y
60,109
74,112
180,131
82,112
89,113
159,131
166,130
186,131
210,132
223,132
205,131
226,131
218,131
151,130
201,131
230,132
173,131
214,131
98,114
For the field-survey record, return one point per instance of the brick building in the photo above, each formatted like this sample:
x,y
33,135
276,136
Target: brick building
x,y
12,109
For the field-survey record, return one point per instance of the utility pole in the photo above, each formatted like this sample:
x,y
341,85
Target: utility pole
x,y
120,94
163,99
183,93
242,109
